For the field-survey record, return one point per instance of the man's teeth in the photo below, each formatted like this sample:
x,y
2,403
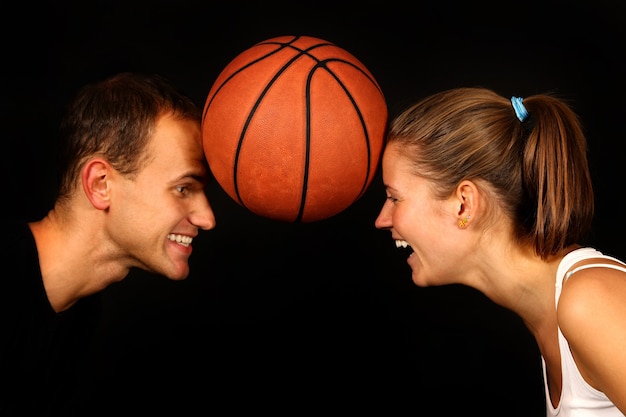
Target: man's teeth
x,y
401,243
181,239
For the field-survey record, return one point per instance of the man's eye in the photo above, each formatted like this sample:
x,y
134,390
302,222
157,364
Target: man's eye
x,y
182,189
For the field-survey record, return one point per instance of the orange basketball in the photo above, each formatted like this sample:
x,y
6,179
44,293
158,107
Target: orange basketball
x,y
293,129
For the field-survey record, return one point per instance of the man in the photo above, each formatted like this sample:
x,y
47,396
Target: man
x,y
131,195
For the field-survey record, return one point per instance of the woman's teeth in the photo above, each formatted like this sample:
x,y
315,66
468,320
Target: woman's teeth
x,y
402,243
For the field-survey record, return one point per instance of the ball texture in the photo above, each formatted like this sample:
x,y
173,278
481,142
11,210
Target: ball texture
x,y
293,129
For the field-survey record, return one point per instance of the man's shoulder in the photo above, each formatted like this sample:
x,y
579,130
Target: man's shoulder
x,y
18,252
18,240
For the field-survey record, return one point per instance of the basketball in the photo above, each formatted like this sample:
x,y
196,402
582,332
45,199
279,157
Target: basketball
x,y
293,129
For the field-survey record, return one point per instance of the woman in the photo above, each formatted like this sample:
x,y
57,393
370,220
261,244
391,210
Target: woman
x,y
495,194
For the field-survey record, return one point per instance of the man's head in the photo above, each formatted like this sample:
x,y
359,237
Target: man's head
x,y
133,168
114,119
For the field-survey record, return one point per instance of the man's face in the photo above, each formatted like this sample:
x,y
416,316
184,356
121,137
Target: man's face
x,y
155,215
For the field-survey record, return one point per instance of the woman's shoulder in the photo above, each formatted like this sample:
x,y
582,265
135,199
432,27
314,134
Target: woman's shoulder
x,y
593,291
591,314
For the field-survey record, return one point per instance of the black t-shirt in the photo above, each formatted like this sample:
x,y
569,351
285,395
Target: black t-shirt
x,y
40,350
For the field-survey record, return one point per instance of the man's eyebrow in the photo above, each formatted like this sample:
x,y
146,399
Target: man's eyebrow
x,y
201,178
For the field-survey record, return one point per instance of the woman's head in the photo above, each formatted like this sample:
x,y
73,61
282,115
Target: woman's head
x,y
535,169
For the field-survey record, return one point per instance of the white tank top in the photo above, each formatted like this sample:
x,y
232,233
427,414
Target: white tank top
x,y
578,398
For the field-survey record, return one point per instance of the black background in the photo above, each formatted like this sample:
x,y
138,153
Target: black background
x,y
311,318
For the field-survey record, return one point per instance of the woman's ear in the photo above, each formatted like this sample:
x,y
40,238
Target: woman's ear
x,y
467,198
95,177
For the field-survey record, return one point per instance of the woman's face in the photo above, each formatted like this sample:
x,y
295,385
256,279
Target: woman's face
x,y
417,218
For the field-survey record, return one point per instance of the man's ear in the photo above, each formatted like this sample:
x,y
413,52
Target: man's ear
x,y
95,176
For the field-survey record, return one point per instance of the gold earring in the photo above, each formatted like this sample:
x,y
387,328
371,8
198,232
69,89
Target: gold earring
x,y
463,222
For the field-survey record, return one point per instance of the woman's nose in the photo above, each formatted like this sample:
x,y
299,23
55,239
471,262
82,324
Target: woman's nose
x,y
383,221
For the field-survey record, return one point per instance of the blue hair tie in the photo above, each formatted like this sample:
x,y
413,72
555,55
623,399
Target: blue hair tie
x,y
520,110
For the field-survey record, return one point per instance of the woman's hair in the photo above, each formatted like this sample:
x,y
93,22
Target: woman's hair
x,y
114,119
536,167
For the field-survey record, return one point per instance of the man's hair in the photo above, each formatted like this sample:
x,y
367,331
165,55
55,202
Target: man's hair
x,y
114,119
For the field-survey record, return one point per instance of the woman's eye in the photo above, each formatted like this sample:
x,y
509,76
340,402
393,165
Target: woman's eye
x,y
391,199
